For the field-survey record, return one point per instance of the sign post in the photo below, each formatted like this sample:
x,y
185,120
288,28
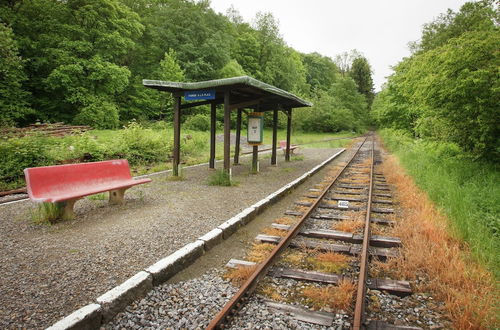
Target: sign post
x,y
255,134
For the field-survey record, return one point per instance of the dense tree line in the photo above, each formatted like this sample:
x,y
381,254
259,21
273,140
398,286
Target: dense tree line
x,y
83,61
449,88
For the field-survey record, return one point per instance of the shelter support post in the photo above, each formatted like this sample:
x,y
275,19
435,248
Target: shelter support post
x,y
213,109
288,132
227,132
255,159
177,135
275,137
237,142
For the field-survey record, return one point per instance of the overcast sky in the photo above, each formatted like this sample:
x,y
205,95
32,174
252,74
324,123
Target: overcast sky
x,y
380,29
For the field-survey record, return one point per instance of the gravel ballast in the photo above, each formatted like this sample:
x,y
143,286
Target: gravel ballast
x,y
48,272
183,305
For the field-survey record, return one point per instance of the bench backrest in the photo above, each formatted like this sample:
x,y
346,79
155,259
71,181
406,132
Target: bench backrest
x,y
41,180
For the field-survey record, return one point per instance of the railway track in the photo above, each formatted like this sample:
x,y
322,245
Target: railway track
x,y
355,190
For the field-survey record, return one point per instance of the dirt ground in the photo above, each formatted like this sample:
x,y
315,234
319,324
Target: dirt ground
x,y
47,272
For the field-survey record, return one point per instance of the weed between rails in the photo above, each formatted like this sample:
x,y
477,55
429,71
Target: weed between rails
x,y
429,252
294,258
329,262
271,292
333,297
355,223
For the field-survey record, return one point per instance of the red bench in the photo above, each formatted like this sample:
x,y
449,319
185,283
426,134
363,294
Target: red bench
x,y
283,147
65,184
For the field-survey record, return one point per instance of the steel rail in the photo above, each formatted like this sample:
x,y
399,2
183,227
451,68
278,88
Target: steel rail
x,y
359,309
247,287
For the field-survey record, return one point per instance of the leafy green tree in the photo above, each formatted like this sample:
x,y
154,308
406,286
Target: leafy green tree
x,y
458,89
449,89
85,59
472,16
269,45
321,71
340,108
232,69
14,107
327,115
361,72
345,91
287,71
77,51
170,70
245,52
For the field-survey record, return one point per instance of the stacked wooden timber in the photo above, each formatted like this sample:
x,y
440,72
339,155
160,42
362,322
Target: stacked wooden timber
x,y
55,129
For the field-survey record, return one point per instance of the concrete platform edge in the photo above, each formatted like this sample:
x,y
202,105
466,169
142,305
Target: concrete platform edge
x,y
87,317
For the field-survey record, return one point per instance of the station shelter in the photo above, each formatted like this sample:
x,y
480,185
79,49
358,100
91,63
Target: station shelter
x,y
236,94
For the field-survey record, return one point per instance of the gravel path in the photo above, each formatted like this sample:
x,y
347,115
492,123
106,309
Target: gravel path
x,y
47,272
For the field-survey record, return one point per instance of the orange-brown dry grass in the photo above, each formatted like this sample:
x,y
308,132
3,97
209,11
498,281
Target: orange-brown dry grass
x,y
364,166
350,226
356,222
260,251
285,221
331,174
240,274
468,290
274,232
335,297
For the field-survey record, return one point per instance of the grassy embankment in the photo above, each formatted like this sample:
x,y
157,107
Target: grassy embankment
x,y
147,149
465,190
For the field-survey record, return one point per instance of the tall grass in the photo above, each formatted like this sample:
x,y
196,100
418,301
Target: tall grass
x,y
467,191
429,252
221,178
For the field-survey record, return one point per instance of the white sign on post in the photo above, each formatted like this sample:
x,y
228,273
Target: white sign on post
x,y
343,204
254,129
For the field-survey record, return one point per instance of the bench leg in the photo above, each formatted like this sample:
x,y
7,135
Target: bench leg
x,y
116,196
65,209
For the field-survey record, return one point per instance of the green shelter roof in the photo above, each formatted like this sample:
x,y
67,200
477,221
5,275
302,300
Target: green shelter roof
x,y
246,92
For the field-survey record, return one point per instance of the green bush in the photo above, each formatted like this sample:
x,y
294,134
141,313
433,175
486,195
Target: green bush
x,y
140,145
19,153
199,122
99,114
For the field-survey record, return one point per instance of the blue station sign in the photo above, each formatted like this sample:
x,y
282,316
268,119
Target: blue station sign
x,y
199,95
